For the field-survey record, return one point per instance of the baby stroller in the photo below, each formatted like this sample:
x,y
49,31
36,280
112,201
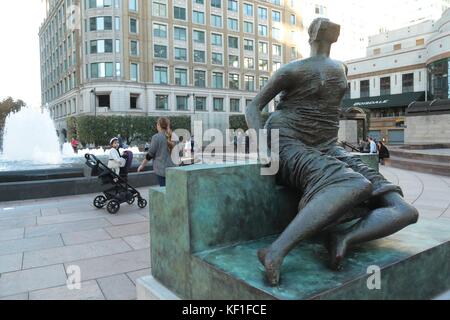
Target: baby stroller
x,y
119,192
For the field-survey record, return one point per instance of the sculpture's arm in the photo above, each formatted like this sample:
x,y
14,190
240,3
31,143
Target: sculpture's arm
x,y
280,81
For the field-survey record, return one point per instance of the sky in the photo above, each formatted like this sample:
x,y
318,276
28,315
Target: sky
x,y
19,51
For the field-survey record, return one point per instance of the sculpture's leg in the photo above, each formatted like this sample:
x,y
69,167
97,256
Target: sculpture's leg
x,y
392,215
322,210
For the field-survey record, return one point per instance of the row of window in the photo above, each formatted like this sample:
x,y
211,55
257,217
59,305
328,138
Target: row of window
x,y
385,86
65,85
161,76
199,103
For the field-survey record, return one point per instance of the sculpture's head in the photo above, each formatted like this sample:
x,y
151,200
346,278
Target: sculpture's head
x,y
322,29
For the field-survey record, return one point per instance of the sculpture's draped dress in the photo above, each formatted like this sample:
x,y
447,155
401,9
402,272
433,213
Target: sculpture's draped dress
x,y
307,118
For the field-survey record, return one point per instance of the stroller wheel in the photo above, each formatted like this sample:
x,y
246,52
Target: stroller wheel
x,y
99,202
113,206
142,203
131,201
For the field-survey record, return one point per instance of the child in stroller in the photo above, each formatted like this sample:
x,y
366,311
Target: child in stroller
x,y
118,190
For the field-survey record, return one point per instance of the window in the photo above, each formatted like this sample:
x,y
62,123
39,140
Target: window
x,y
179,13
161,75
200,103
408,82
233,24
134,101
133,25
200,78
132,5
217,58
262,82
200,1
276,66
182,103
385,86
104,101
102,70
134,48
293,19
216,39
263,65
134,72
248,27
277,2
276,16
233,61
100,23
162,102
216,3
179,33
99,4
248,10
218,104
233,80
263,47
160,30
233,42
180,54
249,83
249,63
199,56
101,46
276,50
397,46
420,42
248,45
262,30
262,13
233,5
376,51
198,17
276,33
159,9
217,80
348,91
117,23
293,52
160,51
199,36
216,21
117,46
181,77
364,88
235,105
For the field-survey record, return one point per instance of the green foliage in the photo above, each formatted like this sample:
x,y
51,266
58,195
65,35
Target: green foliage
x,y
133,129
239,122
7,106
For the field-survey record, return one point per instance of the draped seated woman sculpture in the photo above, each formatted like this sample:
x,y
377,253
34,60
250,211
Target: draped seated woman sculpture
x,y
336,186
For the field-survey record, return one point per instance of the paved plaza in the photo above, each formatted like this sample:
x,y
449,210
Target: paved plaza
x,y
40,239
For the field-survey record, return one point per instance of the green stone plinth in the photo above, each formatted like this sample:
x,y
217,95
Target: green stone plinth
x,y
208,223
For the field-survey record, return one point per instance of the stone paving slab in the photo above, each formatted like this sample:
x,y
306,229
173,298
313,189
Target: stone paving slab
x,y
113,265
71,217
12,234
12,262
22,296
52,256
128,218
33,279
89,291
128,230
19,214
50,229
139,274
138,242
45,212
86,236
118,287
21,245
11,223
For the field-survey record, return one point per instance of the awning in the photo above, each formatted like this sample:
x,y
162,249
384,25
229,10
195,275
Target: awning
x,y
387,101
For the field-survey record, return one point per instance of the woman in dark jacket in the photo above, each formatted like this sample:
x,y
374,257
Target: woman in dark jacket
x,y
383,152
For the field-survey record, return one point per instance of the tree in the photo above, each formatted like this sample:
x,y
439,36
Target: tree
x,y
7,106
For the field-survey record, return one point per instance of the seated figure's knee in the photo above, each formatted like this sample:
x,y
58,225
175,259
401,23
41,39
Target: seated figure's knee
x,y
363,187
408,213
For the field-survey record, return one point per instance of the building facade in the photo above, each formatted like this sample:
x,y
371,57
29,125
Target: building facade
x,y
402,66
203,58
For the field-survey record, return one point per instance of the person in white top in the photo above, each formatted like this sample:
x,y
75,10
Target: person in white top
x,y
115,160
373,146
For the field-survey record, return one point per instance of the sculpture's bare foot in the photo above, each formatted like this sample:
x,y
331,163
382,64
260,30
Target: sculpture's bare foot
x,y
272,266
337,247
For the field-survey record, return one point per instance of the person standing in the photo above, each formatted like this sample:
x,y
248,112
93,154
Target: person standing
x,y
74,144
373,145
383,152
160,151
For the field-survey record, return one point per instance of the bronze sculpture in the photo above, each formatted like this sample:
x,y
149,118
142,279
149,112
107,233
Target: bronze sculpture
x,y
336,186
